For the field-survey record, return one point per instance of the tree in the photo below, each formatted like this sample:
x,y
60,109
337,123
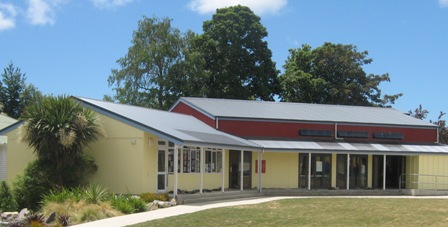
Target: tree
x,y
153,66
58,128
15,95
236,56
332,74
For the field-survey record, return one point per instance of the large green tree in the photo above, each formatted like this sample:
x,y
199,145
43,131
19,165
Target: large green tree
x,y
236,56
332,74
153,72
15,94
58,128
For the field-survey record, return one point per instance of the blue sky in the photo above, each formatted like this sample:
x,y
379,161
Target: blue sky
x,y
70,46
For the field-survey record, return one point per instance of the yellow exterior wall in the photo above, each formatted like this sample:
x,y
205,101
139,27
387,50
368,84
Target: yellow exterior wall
x,y
192,181
281,170
333,170
18,156
369,170
126,162
433,165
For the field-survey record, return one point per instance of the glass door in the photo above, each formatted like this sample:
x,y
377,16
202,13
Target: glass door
x,y
358,171
162,164
320,171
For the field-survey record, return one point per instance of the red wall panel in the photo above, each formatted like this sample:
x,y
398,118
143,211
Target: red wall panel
x,y
185,109
290,130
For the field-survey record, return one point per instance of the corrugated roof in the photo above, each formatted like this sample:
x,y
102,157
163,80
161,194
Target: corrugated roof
x,y
302,112
353,148
178,128
6,121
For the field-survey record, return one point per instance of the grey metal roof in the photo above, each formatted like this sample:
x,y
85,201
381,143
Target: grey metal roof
x,y
228,108
6,121
178,128
353,148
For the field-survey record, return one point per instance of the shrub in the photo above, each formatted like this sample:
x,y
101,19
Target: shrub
x,y
95,194
128,204
7,201
149,197
62,195
29,188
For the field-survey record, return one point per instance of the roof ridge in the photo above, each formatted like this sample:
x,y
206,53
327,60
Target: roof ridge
x,y
288,103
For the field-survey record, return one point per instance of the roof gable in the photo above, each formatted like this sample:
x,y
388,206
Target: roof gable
x,y
247,109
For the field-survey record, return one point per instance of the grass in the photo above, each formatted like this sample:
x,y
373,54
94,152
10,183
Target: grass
x,y
320,212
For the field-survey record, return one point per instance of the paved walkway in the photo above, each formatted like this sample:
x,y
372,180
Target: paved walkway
x,y
186,209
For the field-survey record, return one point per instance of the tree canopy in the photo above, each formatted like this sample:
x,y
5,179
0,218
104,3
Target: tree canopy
x,y
332,74
15,95
152,74
236,56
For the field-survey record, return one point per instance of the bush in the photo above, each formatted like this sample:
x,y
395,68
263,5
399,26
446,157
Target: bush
x,y
149,197
128,204
7,201
29,188
95,194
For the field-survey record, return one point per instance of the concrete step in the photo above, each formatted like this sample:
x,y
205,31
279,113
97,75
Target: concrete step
x,y
325,192
217,196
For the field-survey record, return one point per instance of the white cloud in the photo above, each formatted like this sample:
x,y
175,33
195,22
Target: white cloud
x,y
258,6
109,4
42,12
443,3
8,13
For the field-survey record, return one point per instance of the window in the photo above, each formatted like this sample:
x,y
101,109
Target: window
x,y
191,159
213,160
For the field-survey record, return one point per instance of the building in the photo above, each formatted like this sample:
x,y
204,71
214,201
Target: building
x,y
282,145
5,121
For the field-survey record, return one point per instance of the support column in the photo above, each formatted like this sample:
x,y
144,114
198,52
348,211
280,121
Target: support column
x,y
348,171
309,171
259,170
202,168
176,167
223,172
384,172
242,171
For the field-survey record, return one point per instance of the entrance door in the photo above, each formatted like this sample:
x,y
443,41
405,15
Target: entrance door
x,y
395,166
358,171
341,171
320,171
162,164
234,169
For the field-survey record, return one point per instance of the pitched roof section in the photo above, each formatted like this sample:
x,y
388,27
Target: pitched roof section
x,y
178,128
246,109
6,121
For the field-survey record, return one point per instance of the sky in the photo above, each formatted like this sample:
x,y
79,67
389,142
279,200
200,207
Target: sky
x,y
70,46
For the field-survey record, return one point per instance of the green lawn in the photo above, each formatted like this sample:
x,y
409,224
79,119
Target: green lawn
x,y
320,212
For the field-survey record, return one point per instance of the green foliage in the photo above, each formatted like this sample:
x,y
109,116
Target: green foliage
x,y
35,182
149,197
332,74
95,194
152,69
7,201
58,128
15,95
236,56
63,195
128,204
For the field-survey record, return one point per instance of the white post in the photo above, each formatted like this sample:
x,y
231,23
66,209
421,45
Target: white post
x,y
202,168
259,170
348,171
309,171
384,172
176,167
242,170
223,172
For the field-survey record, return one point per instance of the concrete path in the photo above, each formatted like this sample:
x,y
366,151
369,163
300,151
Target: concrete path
x,y
187,209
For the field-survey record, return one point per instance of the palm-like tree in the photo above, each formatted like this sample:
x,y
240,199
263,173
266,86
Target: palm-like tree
x,y
58,128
